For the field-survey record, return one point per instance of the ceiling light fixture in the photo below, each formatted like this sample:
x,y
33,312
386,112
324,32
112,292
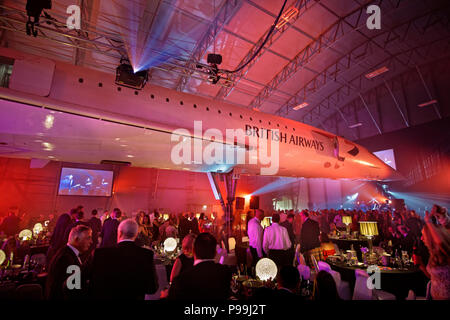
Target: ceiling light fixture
x,y
359,124
288,15
426,104
377,72
301,106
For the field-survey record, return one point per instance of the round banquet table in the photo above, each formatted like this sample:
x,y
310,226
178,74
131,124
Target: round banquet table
x,y
395,281
346,244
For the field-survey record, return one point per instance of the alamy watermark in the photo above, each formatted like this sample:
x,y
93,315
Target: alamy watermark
x,y
239,146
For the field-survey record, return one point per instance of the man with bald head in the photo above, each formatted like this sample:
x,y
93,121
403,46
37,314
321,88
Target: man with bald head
x,y
125,271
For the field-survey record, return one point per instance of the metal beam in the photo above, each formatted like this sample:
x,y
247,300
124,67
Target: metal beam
x,y
326,40
358,55
428,92
223,17
396,103
402,79
302,6
370,114
424,52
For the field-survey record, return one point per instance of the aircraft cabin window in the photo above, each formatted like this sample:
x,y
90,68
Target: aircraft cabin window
x,y
181,103
270,123
241,116
80,80
260,121
152,96
219,111
167,99
195,106
251,119
285,127
207,108
119,89
100,84
231,114
136,93
278,124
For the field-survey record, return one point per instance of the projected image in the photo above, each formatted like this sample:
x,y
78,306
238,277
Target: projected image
x,y
84,182
387,156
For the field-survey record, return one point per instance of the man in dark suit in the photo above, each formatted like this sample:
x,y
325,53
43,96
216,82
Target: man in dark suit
x,y
184,226
125,271
289,225
62,279
109,230
11,224
96,226
207,280
309,238
288,281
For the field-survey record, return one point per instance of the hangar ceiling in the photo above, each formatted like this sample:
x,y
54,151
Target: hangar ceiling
x,y
320,58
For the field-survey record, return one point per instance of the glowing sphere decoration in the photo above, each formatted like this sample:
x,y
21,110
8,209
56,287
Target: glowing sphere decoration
x,y
266,269
170,244
2,257
25,234
37,228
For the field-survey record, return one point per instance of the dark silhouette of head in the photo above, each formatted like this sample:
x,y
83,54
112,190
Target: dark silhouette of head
x,y
275,218
205,246
288,278
325,287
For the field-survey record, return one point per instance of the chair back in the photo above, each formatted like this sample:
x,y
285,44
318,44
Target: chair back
x,y
314,263
39,258
29,292
361,291
324,266
162,282
305,271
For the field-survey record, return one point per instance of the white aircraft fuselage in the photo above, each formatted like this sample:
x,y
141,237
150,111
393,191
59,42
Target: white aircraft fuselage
x,y
59,111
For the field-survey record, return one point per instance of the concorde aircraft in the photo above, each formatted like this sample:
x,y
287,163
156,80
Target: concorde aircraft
x,y
57,111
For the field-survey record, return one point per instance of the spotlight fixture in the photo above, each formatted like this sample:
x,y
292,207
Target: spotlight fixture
x,y
126,77
214,59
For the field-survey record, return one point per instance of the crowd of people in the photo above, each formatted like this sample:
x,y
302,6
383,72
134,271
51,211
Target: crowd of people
x,y
115,256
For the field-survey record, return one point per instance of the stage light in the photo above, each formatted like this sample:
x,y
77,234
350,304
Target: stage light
x,y
248,197
127,77
25,234
266,269
49,120
170,244
214,59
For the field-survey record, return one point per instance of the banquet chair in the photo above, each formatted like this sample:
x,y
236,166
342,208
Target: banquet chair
x,y
342,286
163,283
314,263
362,292
324,266
305,271
39,258
336,249
29,292
7,290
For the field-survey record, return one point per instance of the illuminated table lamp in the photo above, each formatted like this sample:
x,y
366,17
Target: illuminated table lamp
x,y
25,235
369,229
170,244
347,220
266,269
166,216
2,257
197,216
231,244
37,228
